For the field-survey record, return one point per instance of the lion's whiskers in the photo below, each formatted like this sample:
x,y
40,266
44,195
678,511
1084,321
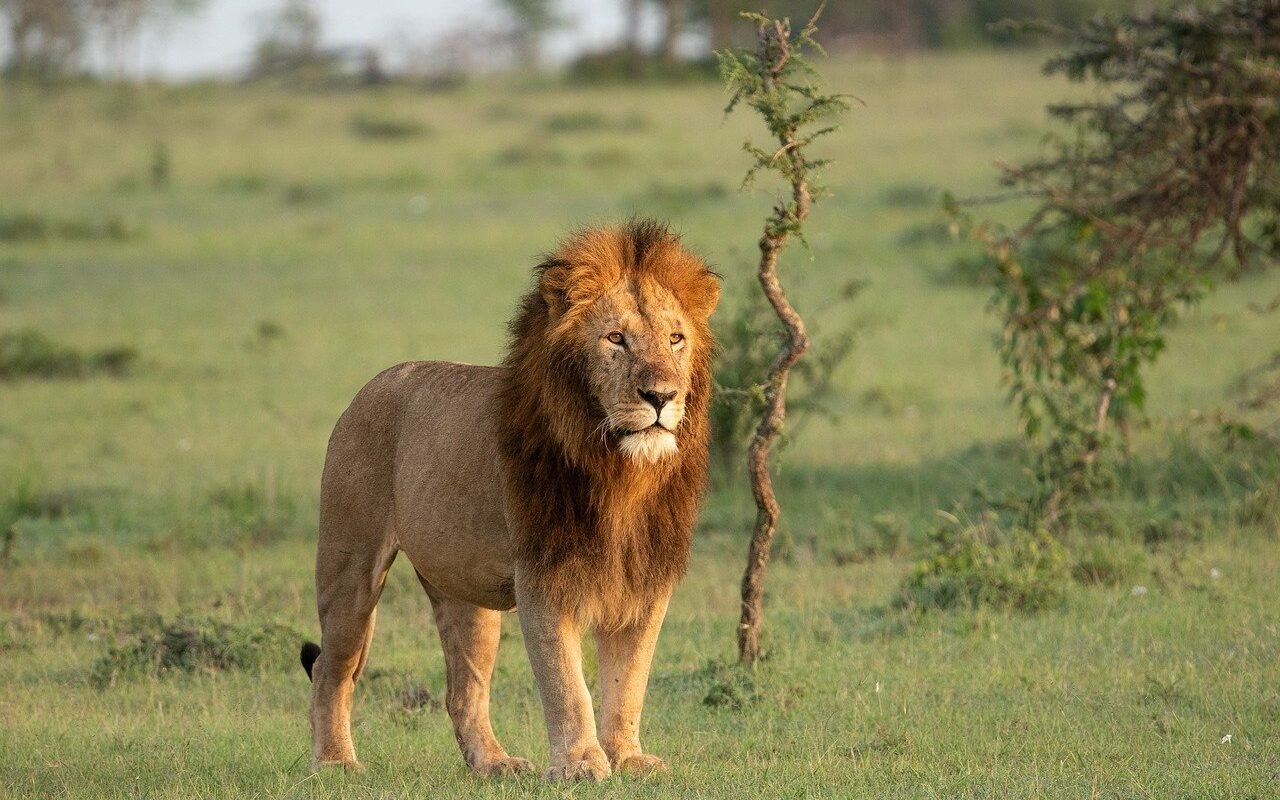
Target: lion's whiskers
x,y
603,430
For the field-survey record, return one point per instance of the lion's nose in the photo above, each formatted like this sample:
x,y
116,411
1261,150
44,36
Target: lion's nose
x,y
657,399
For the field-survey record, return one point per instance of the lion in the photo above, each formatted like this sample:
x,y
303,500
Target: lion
x,y
563,484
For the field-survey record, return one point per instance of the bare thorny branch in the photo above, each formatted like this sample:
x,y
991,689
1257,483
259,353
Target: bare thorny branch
x,y
763,80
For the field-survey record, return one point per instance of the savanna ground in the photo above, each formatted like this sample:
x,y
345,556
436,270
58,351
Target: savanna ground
x,y
266,253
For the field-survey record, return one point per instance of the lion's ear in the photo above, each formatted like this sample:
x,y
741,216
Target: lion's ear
x,y
553,284
566,285
702,294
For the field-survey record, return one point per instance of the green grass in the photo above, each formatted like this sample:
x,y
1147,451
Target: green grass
x,y
291,256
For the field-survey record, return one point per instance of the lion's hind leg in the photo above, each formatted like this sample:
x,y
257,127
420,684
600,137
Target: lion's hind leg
x,y
348,585
469,635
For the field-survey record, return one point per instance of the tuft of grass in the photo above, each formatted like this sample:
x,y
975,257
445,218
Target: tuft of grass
x,y
160,171
29,353
243,183
607,158
305,193
198,644
677,197
1262,506
925,233
269,329
25,226
266,333
1101,561
729,686
529,154
375,126
616,65
967,270
577,122
255,516
909,195
894,401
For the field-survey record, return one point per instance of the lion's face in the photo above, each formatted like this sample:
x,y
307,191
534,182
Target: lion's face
x,y
638,343
624,314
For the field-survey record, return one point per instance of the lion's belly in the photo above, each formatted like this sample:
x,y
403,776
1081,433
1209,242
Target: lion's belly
x,y
448,493
461,552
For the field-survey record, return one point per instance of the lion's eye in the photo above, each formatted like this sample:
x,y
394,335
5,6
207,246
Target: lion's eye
x,y
616,338
677,338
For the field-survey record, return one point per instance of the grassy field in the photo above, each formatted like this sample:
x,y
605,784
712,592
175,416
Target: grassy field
x,y
266,253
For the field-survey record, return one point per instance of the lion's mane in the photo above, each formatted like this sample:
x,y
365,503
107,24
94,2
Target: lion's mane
x,y
596,532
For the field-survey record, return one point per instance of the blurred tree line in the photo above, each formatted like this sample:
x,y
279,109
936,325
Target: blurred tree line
x,y
878,23
886,26
48,38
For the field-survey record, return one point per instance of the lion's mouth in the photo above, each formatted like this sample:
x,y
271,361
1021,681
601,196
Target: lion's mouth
x,y
655,427
649,444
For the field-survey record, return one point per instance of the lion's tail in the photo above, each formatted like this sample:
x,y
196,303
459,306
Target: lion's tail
x,y
310,652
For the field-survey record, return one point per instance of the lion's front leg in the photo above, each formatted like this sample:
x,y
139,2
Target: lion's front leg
x,y
625,656
554,642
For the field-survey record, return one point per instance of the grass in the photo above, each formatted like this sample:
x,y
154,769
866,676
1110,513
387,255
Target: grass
x,y
291,255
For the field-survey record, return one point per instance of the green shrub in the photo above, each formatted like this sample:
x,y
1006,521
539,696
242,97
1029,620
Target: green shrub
x,y
748,334
198,644
983,564
575,121
28,353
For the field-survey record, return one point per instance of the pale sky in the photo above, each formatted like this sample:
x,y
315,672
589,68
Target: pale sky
x,y
219,39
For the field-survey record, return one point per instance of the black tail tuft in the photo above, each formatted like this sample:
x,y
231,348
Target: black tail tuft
x,y
310,652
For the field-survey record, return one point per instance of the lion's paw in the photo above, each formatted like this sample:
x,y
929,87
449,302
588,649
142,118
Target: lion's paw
x,y
350,766
593,766
503,767
641,764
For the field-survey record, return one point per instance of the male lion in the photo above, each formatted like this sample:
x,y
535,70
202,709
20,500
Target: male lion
x,y
563,484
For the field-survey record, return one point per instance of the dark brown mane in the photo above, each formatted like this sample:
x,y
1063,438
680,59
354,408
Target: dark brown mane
x,y
598,533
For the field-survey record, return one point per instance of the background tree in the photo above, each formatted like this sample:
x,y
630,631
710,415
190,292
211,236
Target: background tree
x,y
289,44
631,46
1170,183
674,15
776,82
46,36
534,19
119,24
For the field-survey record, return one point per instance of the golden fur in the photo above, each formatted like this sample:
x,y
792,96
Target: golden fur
x,y
565,482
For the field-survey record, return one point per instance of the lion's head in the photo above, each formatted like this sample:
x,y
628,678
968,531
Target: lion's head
x,y
616,334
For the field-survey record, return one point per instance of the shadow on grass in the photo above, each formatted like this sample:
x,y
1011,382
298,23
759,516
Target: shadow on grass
x,y
1192,479
887,500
